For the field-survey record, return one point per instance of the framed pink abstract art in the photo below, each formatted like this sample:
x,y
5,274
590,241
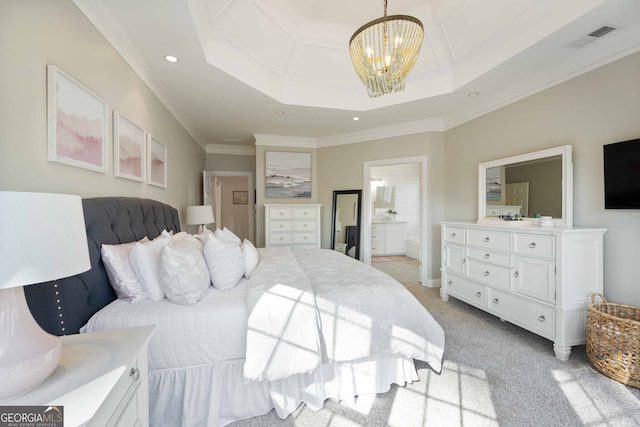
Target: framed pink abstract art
x,y
128,148
156,162
77,123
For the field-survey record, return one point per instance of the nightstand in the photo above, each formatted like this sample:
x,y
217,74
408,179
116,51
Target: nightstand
x,y
102,379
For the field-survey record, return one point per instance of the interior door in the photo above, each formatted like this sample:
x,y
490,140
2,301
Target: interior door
x,y
517,194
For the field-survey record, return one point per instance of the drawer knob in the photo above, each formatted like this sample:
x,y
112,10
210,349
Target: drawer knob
x,y
486,239
450,283
516,274
542,318
281,238
496,300
532,245
463,260
134,373
487,256
305,225
281,225
486,273
453,234
478,294
281,213
305,237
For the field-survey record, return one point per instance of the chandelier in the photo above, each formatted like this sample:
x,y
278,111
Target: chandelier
x,y
384,50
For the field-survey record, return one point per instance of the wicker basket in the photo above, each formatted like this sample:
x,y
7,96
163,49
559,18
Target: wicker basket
x,y
613,340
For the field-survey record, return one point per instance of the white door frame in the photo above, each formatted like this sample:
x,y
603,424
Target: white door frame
x,y
424,213
250,206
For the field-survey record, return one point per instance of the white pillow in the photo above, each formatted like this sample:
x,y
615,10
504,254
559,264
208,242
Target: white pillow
x,y
225,263
251,257
145,259
183,274
227,235
120,271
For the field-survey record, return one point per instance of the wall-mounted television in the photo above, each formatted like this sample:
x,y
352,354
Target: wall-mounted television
x,y
622,175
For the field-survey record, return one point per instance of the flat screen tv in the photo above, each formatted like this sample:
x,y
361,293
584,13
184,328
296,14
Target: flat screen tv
x,y
622,175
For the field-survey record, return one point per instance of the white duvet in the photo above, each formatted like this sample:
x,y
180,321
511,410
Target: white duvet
x,y
358,312
299,310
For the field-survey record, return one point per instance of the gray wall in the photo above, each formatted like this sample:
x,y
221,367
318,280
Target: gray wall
x,y
594,109
35,33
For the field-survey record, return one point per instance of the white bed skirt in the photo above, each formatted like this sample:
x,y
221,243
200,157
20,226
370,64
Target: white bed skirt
x,y
218,394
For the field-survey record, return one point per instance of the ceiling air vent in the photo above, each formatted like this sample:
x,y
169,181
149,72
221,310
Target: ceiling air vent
x,y
591,37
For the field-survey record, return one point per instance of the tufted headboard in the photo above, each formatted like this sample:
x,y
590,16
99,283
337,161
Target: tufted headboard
x,y
63,306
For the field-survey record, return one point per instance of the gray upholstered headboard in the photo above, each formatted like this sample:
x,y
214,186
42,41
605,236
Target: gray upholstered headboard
x,y
62,307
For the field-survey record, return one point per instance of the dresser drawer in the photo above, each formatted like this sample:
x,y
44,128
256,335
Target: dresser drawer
x,y
489,239
492,257
534,245
533,316
466,290
281,213
304,213
304,225
280,226
280,239
454,235
494,275
304,238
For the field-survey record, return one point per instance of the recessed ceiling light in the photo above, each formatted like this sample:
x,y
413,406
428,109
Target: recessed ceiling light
x,y
473,94
279,112
355,119
171,58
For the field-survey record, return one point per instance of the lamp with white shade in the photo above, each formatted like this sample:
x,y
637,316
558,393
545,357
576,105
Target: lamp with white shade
x,y
200,215
43,239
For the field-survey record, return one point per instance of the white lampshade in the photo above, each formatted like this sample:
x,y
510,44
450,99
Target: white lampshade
x,y
43,239
199,215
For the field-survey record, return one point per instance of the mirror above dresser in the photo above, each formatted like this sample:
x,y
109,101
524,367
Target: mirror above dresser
x,y
527,186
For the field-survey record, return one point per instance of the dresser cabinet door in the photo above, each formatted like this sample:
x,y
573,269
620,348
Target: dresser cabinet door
x,y
535,278
454,258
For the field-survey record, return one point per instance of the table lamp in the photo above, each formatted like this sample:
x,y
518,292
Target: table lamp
x,y
43,239
200,215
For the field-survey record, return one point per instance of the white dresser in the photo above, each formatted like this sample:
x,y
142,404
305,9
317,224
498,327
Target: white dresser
x,y
538,278
101,380
296,225
387,238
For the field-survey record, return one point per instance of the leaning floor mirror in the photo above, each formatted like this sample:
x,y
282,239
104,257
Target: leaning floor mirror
x,y
345,224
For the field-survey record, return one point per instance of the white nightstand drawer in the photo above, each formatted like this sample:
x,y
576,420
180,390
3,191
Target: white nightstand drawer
x,y
534,245
499,240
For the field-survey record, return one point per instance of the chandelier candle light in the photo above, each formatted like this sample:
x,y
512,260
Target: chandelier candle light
x,y
384,50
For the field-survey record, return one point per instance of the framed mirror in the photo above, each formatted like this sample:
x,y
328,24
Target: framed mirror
x,y
528,185
346,222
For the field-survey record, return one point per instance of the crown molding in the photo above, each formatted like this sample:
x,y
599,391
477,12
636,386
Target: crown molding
x,y
237,150
285,141
115,35
408,128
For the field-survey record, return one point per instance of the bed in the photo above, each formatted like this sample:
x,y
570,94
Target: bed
x,y
306,326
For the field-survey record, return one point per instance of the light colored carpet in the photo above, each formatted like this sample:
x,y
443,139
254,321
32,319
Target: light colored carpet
x,y
494,374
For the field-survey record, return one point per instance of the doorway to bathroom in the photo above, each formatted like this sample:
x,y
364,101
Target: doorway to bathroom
x,y
395,217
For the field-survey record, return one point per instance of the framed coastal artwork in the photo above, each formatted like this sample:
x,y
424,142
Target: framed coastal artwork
x,y
494,182
77,123
156,162
128,148
240,197
288,174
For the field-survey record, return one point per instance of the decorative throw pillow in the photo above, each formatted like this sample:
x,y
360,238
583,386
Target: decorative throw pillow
x,y
120,271
145,259
190,240
251,257
225,263
227,235
183,274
